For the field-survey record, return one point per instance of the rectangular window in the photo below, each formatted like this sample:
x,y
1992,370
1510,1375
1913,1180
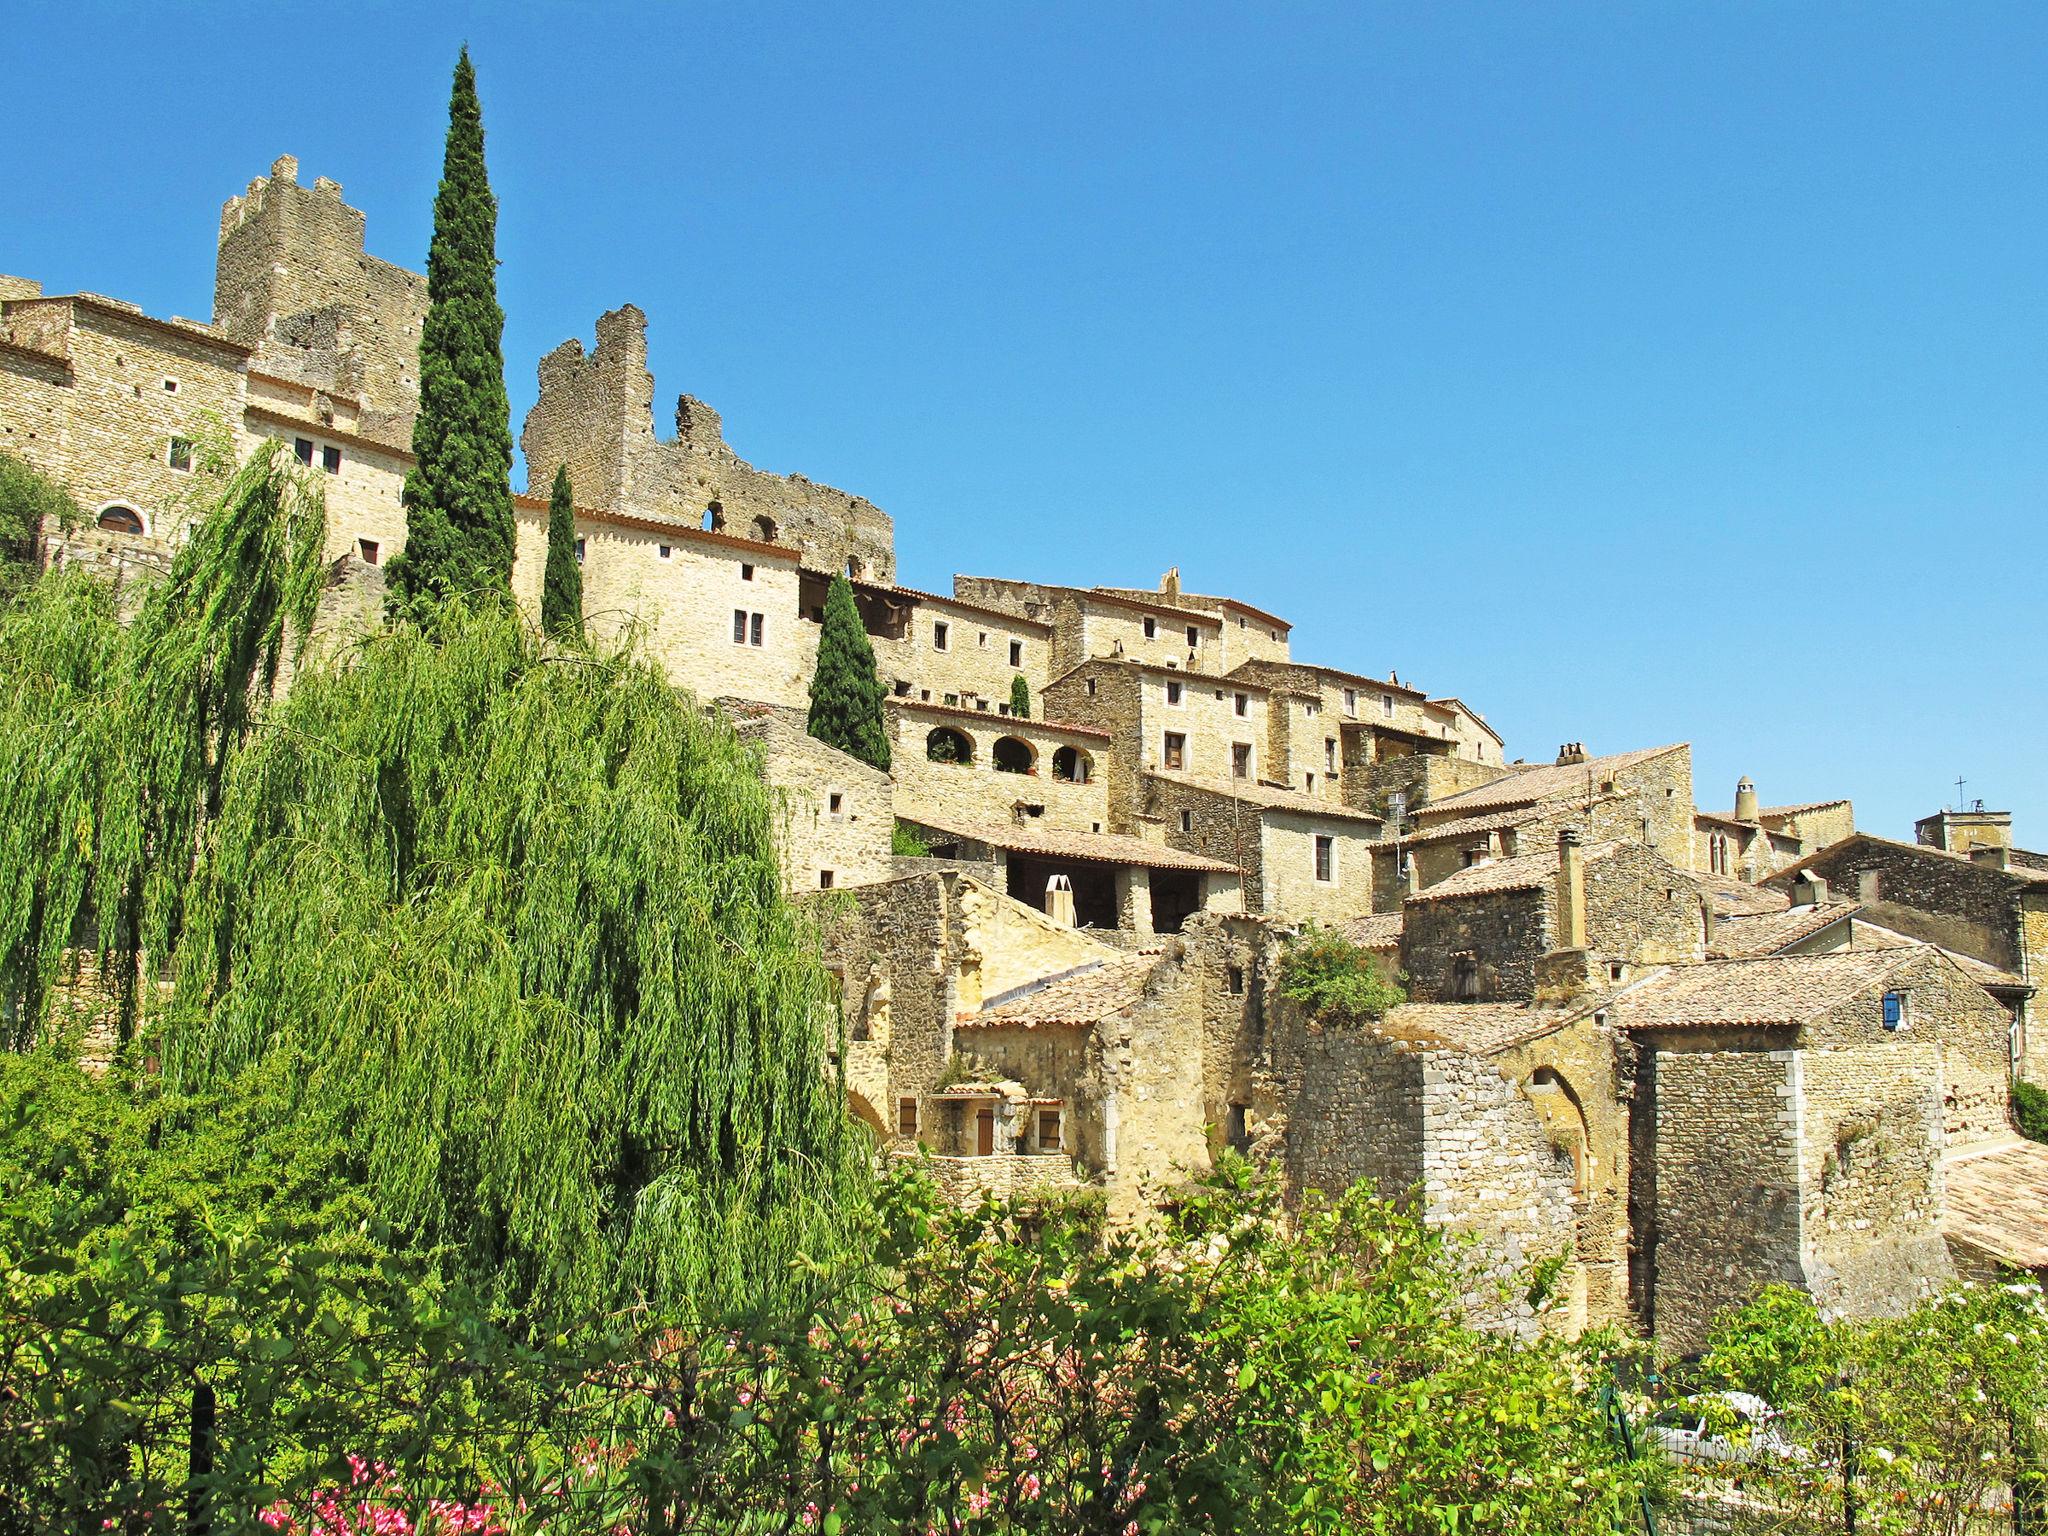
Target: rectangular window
x,y
939,633
330,458
1897,1012
746,573
1234,979
1151,628
824,879
1016,653
1326,859
1091,687
579,551
1240,760
303,449
739,626
1329,754
1351,702
664,550
1172,692
754,629
835,802
367,548
179,454
1237,703
906,1117
170,386
1194,637
1048,1130
1310,783
1187,821
981,643
1387,705
1176,749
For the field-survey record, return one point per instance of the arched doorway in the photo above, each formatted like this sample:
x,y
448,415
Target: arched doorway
x,y
1013,755
1070,765
946,745
116,518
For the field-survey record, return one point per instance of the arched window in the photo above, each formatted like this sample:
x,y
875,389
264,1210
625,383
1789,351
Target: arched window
x,y
714,518
856,568
120,519
946,745
764,529
1071,765
1014,756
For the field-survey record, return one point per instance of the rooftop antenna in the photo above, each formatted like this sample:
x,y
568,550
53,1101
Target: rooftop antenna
x,y
1960,782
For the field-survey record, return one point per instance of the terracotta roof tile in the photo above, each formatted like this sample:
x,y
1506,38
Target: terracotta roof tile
x,y
1996,1192
1267,796
992,717
1526,872
1470,826
1479,1028
1772,990
1552,781
1090,847
2018,874
1869,935
1082,997
1767,933
1378,930
1732,897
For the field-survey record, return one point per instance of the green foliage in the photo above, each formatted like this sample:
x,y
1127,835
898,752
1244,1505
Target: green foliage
x,y
458,495
29,502
1334,979
846,693
2030,1110
561,588
1020,697
906,844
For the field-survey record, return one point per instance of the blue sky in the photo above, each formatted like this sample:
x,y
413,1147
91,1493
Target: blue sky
x,y
1637,372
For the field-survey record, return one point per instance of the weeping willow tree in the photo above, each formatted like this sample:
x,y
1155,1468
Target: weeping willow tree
x,y
512,919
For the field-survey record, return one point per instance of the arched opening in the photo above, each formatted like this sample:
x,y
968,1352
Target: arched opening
x,y
1565,1118
1070,765
120,519
1013,756
714,518
865,1113
946,745
856,568
764,529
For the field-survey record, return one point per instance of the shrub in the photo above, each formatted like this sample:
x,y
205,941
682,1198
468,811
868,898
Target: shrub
x,y
2030,1111
1333,978
906,844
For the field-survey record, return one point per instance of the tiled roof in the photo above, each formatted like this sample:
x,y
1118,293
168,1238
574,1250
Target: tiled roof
x,y
1733,897
961,603
1480,1028
1772,812
1090,847
1772,990
1869,935
1553,781
2018,874
1269,796
1526,872
2025,860
1379,930
1076,998
993,717
1996,1192
1470,826
1768,933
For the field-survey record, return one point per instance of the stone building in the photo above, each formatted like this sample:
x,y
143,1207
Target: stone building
x,y
1754,841
1089,622
837,813
969,766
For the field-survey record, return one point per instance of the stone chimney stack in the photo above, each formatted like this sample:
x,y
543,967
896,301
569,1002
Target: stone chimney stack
x,y
1571,890
1169,584
1745,801
1571,752
1809,890
1991,856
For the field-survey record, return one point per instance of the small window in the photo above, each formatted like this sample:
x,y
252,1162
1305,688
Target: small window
x,y
1351,701
1238,1130
755,628
303,448
1326,858
1310,783
1898,1013
1194,637
1240,760
170,386
1238,703
1187,821
835,803
1048,1130
739,626
1234,979
906,1117
824,879
1151,628
330,458
664,550
1329,754
179,454
1172,692
1616,970
367,548
1387,705
1176,749
579,551
746,572
981,640
1016,653
119,519
939,634
1094,826
1091,687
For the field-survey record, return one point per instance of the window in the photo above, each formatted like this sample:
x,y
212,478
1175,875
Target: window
x,y
330,458
1310,784
754,632
1176,749
1897,1010
1151,628
367,548
1329,754
1616,970
835,803
1240,760
939,633
1239,1130
1091,687
746,572
1326,858
579,551
1187,821
1071,765
119,519
1016,653
906,1117
739,626
179,454
1351,702
1387,705
1237,703
1234,980
1048,1130
981,641
664,550
303,448
170,386
824,879
1194,637
1172,692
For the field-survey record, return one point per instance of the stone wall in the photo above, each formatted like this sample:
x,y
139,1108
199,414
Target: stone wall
x,y
953,653
976,791
837,814
1288,885
293,281
1505,933
1931,895
596,415
1106,696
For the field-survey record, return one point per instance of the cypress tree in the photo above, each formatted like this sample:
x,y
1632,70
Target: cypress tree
x,y
1020,697
846,695
561,590
458,497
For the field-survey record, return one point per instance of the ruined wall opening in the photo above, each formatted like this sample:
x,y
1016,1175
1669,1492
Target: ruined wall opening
x,y
1070,765
1094,887
764,529
867,1116
946,745
714,518
1010,755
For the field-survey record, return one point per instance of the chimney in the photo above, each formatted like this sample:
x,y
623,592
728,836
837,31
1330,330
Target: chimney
x,y
1571,752
1571,890
1809,890
1991,856
1411,876
1745,800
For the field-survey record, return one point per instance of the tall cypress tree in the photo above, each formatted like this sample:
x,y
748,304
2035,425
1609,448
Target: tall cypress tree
x,y
561,588
458,497
1020,697
846,695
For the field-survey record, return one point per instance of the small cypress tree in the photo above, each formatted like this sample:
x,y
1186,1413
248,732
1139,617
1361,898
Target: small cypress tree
x,y
458,497
561,588
1020,697
846,695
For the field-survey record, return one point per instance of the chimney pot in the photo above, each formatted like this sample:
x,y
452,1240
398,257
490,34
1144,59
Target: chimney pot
x,y
1745,800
